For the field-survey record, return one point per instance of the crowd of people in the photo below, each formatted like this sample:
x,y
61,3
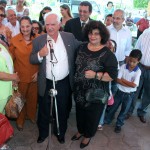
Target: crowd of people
x,y
77,54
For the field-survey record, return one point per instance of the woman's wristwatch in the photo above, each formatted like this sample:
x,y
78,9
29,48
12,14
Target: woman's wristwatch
x,y
97,76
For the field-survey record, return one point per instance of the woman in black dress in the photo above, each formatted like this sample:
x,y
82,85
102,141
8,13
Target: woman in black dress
x,y
93,60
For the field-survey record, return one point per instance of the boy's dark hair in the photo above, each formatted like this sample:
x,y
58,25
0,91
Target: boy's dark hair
x,y
86,3
136,53
109,15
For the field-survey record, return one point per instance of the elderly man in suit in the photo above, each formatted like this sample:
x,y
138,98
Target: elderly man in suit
x,y
63,45
76,25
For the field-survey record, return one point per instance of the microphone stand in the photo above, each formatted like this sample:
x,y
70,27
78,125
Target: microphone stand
x,y
52,93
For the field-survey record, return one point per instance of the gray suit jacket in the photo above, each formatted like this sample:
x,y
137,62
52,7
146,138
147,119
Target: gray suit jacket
x,y
71,45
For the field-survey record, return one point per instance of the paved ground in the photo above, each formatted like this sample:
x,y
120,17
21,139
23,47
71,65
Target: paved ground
x,y
134,136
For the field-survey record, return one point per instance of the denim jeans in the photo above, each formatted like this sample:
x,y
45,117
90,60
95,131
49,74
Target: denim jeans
x,y
101,122
123,99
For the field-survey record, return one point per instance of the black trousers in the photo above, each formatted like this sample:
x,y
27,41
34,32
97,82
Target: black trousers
x,y
63,89
88,118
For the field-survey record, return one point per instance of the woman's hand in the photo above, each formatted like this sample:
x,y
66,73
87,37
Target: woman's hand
x,y
15,77
90,74
34,77
44,51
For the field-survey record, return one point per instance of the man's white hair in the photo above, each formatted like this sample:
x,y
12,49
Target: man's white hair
x,y
10,8
51,13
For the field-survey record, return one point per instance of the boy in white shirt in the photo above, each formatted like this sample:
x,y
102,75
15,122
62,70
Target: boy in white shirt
x,y
128,81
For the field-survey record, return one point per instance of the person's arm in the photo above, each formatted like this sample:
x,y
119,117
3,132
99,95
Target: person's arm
x,y
9,77
110,68
120,75
12,49
120,82
128,83
106,77
98,75
37,54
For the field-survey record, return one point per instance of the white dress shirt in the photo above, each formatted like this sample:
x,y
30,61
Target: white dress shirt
x,y
14,29
143,44
123,39
60,68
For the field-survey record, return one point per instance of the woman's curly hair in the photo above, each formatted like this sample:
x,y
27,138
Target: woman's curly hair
x,y
103,32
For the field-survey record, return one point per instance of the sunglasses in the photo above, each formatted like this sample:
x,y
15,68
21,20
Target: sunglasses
x,y
44,13
35,28
2,15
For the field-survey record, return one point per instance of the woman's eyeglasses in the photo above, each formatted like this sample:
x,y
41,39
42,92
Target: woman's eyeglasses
x,y
35,28
2,15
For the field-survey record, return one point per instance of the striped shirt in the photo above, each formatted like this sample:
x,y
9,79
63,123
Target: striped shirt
x,y
143,44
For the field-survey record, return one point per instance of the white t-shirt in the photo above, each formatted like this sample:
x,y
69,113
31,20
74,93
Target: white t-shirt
x,y
131,76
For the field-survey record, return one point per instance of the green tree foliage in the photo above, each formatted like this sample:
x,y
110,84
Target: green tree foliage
x,y
140,3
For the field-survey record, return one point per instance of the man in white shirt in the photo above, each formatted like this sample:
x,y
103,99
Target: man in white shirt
x,y
121,35
54,52
13,24
143,44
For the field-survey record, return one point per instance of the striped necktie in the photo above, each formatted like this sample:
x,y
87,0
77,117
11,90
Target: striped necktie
x,y
83,24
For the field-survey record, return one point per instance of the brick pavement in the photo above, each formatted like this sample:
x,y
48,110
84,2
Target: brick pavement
x,y
134,136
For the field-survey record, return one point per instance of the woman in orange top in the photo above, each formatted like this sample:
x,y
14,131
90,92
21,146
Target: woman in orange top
x,y
20,48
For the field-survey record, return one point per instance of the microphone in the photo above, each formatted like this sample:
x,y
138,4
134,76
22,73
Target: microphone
x,y
51,48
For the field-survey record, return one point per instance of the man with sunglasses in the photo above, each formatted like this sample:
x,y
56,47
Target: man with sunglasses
x,y
76,25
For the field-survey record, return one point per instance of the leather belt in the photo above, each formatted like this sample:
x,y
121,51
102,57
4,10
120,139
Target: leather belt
x,y
145,67
56,82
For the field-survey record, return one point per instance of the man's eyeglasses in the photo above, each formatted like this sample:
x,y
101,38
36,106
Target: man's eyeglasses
x,y
2,15
35,28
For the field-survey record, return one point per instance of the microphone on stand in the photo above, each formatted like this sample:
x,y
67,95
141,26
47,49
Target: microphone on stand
x,y
51,48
